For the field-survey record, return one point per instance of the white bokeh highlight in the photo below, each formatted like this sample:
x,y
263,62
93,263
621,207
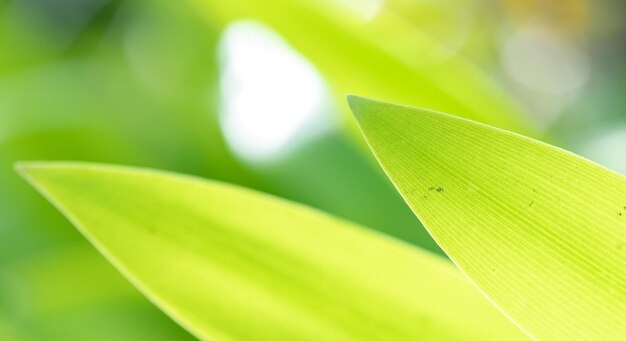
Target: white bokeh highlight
x,y
272,98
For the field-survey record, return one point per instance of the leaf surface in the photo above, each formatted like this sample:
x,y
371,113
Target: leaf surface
x,y
230,263
541,231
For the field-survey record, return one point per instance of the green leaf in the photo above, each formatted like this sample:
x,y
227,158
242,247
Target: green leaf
x,y
541,231
388,56
229,263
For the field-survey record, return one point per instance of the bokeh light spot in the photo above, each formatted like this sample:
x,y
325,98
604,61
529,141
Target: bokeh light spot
x,y
269,93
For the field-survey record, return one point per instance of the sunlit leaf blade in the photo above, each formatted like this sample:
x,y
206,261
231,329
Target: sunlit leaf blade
x,y
541,231
229,263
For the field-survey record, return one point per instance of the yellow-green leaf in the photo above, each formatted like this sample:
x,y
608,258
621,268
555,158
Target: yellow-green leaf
x,y
541,231
229,263
385,56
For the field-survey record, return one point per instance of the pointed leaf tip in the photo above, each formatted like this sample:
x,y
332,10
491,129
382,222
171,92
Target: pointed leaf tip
x,y
23,168
535,228
361,106
357,104
19,166
26,169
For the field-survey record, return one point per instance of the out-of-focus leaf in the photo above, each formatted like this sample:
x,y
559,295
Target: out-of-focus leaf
x,y
226,262
146,77
541,231
24,38
386,56
102,105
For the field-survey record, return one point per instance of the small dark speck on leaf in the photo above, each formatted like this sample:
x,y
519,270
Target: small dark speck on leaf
x,y
440,189
531,204
431,188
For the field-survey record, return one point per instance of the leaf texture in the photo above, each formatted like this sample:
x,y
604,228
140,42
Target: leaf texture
x,y
541,231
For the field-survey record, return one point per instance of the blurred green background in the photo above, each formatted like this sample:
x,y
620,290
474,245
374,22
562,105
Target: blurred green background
x,y
251,92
